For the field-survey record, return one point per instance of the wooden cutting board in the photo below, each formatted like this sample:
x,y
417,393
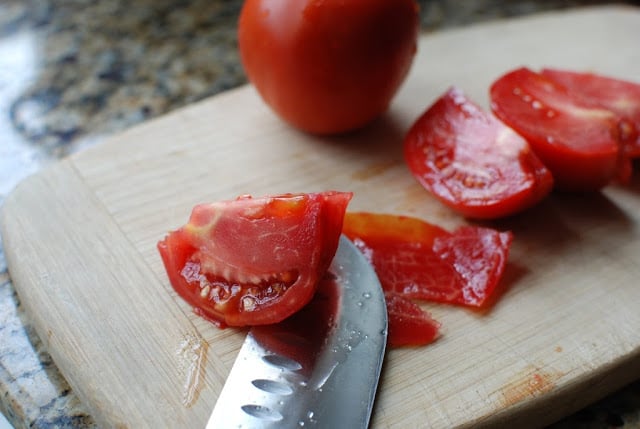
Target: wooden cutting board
x,y
80,241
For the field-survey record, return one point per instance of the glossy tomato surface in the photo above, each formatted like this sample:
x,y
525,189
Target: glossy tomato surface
x,y
620,96
328,66
577,140
472,162
254,261
462,267
409,325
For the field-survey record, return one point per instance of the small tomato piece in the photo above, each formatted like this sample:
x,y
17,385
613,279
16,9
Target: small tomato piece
x,y
576,139
472,162
463,267
409,325
254,261
328,66
479,256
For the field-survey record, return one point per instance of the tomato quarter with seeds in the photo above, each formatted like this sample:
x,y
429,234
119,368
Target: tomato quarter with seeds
x,y
472,162
254,261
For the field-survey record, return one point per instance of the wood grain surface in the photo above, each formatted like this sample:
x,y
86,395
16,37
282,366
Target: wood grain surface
x,y
80,242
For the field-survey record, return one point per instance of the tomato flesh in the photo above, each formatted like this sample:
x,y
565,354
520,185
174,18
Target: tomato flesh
x,y
409,325
577,140
462,267
620,96
254,261
328,66
472,162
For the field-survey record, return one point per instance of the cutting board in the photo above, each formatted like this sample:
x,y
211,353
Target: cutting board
x,y
80,241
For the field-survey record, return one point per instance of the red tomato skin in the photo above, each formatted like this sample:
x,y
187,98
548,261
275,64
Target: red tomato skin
x,y
242,247
472,162
620,96
577,140
383,228
175,251
328,66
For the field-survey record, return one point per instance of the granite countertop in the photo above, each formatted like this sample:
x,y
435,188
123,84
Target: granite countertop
x,y
75,71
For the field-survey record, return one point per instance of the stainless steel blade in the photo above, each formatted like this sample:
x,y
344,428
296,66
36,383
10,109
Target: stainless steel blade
x,y
319,368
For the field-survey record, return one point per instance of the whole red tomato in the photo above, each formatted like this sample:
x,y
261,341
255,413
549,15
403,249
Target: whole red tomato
x,y
328,66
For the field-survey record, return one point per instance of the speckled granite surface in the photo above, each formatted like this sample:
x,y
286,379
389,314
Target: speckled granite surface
x,y
75,71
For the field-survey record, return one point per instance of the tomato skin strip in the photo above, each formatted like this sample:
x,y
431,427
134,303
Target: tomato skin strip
x,y
416,260
480,276
461,268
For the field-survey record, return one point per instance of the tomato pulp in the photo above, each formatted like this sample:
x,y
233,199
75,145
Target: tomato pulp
x,y
408,324
328,66
472,162
254,261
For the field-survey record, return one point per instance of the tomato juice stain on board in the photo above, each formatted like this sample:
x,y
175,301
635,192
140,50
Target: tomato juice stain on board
x,y
192,357
530,382
373,170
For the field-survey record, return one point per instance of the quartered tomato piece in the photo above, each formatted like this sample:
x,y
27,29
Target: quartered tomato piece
x,y
463,267
409,325
254,261
578,140
472,162
620,96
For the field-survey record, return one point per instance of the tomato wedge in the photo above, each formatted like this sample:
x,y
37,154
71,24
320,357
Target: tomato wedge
x,y
254,261
472,162
409,325
578,140
620,96
463,267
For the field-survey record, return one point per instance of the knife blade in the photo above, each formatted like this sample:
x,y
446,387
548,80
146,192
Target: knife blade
x,y
319,368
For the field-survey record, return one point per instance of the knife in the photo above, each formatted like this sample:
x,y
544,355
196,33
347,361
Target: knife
x,y
320,367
